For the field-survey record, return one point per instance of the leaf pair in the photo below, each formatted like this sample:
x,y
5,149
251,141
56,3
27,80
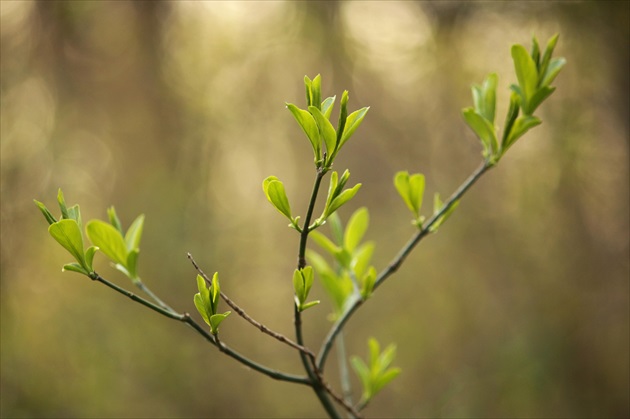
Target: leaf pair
x,y
337,195
411,189
377,374
67,232
302,283
207,302
315,122
481,117
122,251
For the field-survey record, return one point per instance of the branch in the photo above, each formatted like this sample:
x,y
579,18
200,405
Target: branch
x,y
398,260
185,318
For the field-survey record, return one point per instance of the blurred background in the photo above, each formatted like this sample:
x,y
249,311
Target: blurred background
x,y
518,307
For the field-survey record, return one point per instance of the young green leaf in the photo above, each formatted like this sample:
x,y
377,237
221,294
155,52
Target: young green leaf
x,y
68,235
326,131
325,243
134,234
401,182
74,213
519,128
551,45
309,126
552,71
484,130
89,257
49,217
215,320
367,283
327,106
526,71
352,123
114,220
357,225
342,198
275,193
62,205
74,267
438,206
316,92
361,258
109,240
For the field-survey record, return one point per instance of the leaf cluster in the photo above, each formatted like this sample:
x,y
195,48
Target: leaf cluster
x,y
207,302
535,73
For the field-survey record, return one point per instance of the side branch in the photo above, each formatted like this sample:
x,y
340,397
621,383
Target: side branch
x,y
398,260
249,319
185,318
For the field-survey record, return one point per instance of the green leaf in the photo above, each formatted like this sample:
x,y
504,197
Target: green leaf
x,y
62,205
509,121
367,283
108,239
437,208
214,293
309,305
316,92
343,198
535,54
113,219
526,71
74,213
132,263
309,126
385,378
352,123
75,267
325,243
552,71
363,372
274,190
201,308
326,131
215,321
401,182
298,286
489,90
551,45
484,130
327,106
361,258
374,351
540,95
134,234
89,257
343,117
49,217
356,228
308,83
68,235
338,288
520,127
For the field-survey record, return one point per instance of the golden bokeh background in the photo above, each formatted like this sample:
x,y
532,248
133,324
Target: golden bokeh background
x,y
519,307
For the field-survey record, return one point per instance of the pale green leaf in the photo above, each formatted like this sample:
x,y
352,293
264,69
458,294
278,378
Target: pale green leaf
x,y
68,235
326,131
526,71
327,106
74,267
352,123
356,228
108,239
216,320
309,126
49,217
134,234
343,198
113,219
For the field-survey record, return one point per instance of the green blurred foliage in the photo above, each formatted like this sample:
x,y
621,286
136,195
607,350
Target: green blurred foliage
x,y
518,307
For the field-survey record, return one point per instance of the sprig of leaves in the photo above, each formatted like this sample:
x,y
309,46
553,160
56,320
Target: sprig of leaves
x,y
535,73
315,122
355,274
377,373
207,302
67,232
302,283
